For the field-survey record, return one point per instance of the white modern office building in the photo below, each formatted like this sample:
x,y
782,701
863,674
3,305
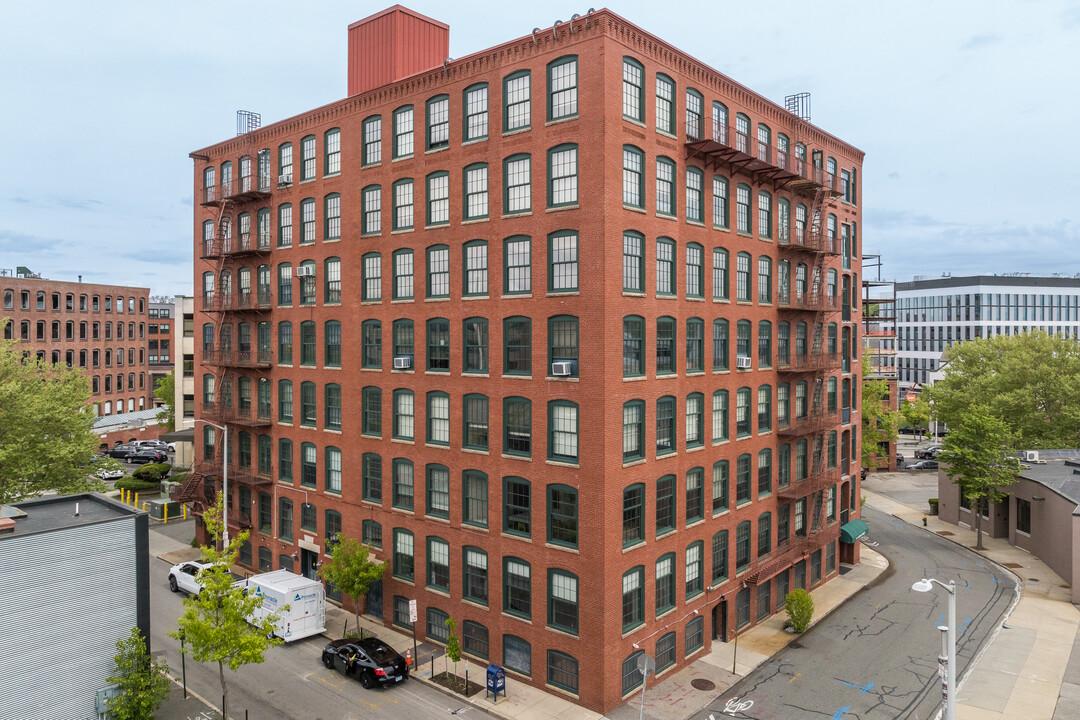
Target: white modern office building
x,y
934,313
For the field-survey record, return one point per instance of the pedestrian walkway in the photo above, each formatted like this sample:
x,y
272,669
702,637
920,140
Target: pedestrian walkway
x,y
1024,671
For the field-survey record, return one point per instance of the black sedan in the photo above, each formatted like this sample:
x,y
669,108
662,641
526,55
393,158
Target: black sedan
x,y
370,660
122,452
924,465
148,456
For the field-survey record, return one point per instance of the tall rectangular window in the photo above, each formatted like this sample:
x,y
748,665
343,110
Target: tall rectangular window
x,y
438,122
371,210
563,431
742,208
438,271
332,150
438,198
633,262
332,215
563,175
307,158
476,112
476,192
372,151
403,131
516,104
403,204
518,260
633,90
562,88
633,177
665,186
563,261
694,270
371,271
665,104
403,274
517,193
695,194
665,267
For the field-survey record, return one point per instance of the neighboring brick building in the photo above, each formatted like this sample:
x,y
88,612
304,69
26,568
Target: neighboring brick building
x,y
564,329
159,341
98,328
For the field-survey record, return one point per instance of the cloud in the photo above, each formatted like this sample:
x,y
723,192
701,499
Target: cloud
x,y
980,41
59,201
22,243
894,176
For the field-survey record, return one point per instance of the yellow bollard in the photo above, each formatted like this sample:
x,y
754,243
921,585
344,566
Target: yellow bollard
x,y
165,509
136,503
123,496
184,510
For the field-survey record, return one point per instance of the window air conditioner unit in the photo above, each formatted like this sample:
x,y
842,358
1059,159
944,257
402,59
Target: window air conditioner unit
x,y
304,271
561,369
285,179
743,362
1031,456
403,362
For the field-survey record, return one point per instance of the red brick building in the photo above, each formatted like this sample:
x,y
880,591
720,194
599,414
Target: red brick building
x,y
98,328
563,329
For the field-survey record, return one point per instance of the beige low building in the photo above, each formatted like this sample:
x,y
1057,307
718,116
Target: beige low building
x,y
1041,513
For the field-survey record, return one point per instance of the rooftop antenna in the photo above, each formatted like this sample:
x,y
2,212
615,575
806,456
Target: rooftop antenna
x,y
798,105
246,121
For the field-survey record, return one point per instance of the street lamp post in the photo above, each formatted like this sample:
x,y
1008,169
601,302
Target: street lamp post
x,y
949,678
224,481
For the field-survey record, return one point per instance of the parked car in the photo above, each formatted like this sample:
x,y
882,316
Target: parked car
x,y
106,474
928,453
899,459
121,452
923,465
148,455
187,577
152,445
369,660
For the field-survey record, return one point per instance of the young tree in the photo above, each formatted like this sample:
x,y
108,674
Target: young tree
x,y
143,682
219,623
351,571
800,609
165,393
916,414
453,645
45,427
979,450
1031,381
879,420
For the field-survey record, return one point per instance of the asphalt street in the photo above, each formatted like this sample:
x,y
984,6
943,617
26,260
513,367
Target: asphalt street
x,y
292,683
876,655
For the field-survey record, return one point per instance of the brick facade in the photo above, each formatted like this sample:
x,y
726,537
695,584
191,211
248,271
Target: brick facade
x,y
83,326
596,470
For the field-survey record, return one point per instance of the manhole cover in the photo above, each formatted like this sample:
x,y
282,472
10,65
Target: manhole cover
x,y
944,532
1012,565
703,684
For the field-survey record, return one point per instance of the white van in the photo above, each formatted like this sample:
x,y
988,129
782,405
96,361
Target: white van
x,y
305,598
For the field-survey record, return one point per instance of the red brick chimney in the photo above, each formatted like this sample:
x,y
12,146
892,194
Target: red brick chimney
x,y
394,44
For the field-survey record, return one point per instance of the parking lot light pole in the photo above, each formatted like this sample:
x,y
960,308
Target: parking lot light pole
x,y
224,481
949,681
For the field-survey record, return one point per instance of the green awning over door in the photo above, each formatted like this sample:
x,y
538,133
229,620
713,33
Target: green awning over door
x,y
853,530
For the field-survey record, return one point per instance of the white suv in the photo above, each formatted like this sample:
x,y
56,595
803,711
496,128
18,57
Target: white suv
x,y
186,577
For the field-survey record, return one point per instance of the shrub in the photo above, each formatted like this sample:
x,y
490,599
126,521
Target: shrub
x,y
800,609
137,485
152,471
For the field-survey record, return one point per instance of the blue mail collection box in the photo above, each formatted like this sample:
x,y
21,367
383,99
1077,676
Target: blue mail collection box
x,y
496,680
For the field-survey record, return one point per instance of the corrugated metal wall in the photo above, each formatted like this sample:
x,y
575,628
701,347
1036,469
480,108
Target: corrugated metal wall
x,y
66,597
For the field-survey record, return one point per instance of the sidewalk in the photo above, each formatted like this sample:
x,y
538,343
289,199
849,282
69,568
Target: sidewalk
x,y
1025,671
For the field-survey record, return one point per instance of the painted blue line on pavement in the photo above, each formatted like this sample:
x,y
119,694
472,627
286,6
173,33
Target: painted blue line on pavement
x,y
980,565
863,689
840,713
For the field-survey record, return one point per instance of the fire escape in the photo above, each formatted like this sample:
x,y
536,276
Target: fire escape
x,y
806,301
239,364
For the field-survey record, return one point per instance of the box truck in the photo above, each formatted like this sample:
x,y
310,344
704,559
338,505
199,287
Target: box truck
x,y
305,599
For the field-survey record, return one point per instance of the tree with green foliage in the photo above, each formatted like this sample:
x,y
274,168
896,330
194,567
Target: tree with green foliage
x,y
143,682
800,609
980,453
879,420
453,645
1030,381
219,624
351,570
917,414
166,393
46,423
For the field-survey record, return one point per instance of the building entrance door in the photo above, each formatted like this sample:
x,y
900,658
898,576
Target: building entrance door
x,y
719,621
308,563
373,602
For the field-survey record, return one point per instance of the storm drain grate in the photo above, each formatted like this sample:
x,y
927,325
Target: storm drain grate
x,y
703,684
1012,565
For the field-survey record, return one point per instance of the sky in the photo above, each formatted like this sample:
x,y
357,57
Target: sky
x,y
967,113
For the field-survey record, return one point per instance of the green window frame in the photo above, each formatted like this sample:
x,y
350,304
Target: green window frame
x,y
633,262
371,277
694,636
307,220
721,203
404,421
404,561
665,504
666,436
404,277
633,104
695,271
474,125
475,191
438,271
695,195
742,412
562,175
742,277
371,210
332,151
307,158
721,286
437,491
285,460
695,420
285,225
764,461
517,426
285,518
783,466
695,495
765,276
475,342
403,132
517,506
562,515
633,177
563,342
475,277
371,470
517,587
371,411
307,283
742,547
742,479
764,409
665,583
331,281
404,484
308,518
307,343
474,498
438,345
438,418
517,184
517,105
517,346
665,104
742,209
332,458
633,430
666,282
562,601
563,419
372,140
720,416
332,406
437,186
563,261
308,465
285,401
562,88
666,194
764,344
517,265
285,160
332,343
633,522
633,346
720,345
285,343
665,346
474,586
438,122
404,200
720,557
695,345
371,344
720,485
695,570
764,534
475,411
633,598
765,215
371,534
404,338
